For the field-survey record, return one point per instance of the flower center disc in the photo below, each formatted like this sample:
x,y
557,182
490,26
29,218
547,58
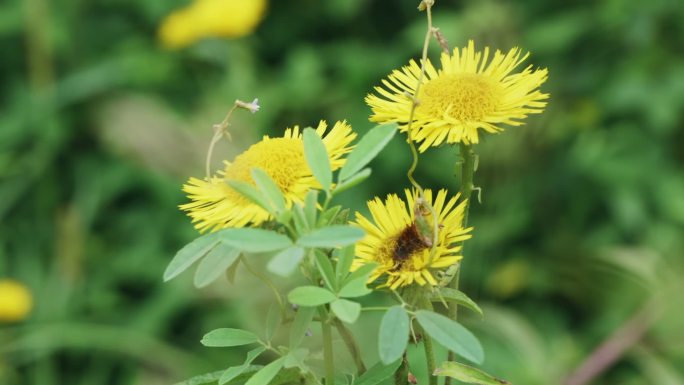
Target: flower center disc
x,y
281,158
466,97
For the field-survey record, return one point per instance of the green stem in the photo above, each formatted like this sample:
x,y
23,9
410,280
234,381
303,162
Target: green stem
x,y
430,358
268,283
349,340
327,347
467,174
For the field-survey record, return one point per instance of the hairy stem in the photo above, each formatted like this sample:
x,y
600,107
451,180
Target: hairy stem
x,y
430,358
349,340
327,348
414,97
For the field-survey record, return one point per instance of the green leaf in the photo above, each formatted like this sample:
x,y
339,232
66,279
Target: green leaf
x,y
355,288
228,337
378,373
301,222
285,262
346,310
190,254
220,258
233,372
310,296
345,257
331,236
451,335
207,378
327,216
326,269
352,181
251,193
394,334
362,272
269,188
467,374
266,374
317,158
254,240
296,358
457,296
368,147
302,320
232,271
310,207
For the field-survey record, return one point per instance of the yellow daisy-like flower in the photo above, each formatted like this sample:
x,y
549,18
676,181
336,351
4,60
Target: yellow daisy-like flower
x,y
15,301
215,205
211,18
470,92
394,241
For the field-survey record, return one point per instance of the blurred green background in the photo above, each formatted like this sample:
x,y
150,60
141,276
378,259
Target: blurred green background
x,y
580,230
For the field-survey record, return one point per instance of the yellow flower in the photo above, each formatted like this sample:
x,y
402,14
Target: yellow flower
x,y
215,205
394,242
15,301
467,94
211,18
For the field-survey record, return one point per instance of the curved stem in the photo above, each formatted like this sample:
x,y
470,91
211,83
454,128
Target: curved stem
x,y
349,340
414,97
268,283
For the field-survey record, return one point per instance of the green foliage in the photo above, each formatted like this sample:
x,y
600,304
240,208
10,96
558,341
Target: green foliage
x,y
317,158
225,337
451,335
254,240
190,254
368,148
581,206
467,374
394,334
310,296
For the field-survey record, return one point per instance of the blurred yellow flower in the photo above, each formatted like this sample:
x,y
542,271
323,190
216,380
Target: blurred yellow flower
x,y
393,240
470,92
15,301
215,205
211,18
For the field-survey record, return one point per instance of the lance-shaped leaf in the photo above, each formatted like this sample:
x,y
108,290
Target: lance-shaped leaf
x,y
326,269
225,337
255,240
352,181
467,374
310,296
285,262
368,147
331,236
250,192
393,335
451,335
233,372
317,158
457,296
301,323
266,374
269,188
220,258
378,373
190,254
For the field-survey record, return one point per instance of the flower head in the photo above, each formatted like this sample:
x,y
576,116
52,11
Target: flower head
x,y
215,205
16,301
469,93
395,243
211,18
